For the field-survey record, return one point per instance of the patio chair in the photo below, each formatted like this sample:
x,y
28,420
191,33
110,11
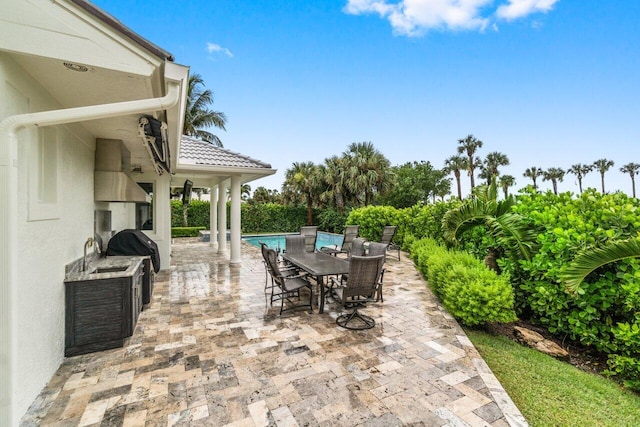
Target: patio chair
x,y
357,247
310,233
289,285
294,244
376,249
359,288
350,233
287,270
387,238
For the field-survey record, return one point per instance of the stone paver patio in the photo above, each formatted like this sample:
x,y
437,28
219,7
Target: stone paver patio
x,y
210,351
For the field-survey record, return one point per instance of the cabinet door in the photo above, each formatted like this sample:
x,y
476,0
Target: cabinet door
x,y
94,312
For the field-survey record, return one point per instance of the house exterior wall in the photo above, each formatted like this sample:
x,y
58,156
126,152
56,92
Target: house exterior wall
x,y
161,233
46,242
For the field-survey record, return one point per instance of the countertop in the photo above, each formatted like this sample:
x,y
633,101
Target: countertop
x,y
128,265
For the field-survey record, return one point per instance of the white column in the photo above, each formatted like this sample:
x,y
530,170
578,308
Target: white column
x,y
222,217
213,214
235,220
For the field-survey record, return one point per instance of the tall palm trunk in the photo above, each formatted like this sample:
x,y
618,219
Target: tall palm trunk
x,y
309,209
633,186
339,201
457,175
602,181
490,260
580,183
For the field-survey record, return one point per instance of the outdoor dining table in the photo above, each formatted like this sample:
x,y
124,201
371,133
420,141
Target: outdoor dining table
x,y
318,264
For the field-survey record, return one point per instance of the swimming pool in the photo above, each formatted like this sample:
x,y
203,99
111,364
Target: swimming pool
x,y
276,241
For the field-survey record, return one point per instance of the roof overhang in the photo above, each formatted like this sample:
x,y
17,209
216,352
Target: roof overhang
x,y
81,56
206,164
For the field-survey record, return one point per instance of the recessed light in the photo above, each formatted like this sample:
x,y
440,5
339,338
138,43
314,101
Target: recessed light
x,y
76,67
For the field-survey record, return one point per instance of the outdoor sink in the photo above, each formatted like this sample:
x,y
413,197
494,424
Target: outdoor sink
x,y
109,269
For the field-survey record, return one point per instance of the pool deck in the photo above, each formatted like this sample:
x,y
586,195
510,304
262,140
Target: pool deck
x,y
210,351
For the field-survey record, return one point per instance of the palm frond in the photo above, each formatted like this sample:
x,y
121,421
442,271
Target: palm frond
x,y
589,261
514,235
457,221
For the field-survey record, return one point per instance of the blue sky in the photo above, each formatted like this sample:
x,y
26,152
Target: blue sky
x,y
549,83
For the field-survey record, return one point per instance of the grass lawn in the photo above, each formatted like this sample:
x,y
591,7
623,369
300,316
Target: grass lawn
x,y
549,392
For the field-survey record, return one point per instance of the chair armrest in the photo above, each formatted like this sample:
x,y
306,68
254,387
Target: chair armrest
x,y
296,276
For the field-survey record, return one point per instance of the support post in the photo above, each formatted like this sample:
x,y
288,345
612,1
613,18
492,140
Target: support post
x,y
222,217
235,220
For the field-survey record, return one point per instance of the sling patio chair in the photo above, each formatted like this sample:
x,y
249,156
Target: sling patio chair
x,y
310,232
387,238
359,288
289,285
350,233
269,283
357,247
295,244
376,249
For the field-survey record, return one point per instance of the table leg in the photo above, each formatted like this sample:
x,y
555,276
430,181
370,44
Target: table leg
x,y
320,282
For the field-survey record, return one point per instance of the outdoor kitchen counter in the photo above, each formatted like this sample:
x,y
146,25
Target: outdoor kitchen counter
x,y
102,304
108,268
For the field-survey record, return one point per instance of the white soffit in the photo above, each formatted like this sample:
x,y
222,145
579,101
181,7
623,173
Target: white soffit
x,y
59,29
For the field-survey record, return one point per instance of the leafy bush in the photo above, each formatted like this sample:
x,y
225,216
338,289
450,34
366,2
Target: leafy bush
x,y
471,292
331,221
272,218
604,312
198,214
186,231
256,218
417,221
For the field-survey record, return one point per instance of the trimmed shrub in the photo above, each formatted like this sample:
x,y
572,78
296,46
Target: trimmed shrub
x,y
186,231
470,291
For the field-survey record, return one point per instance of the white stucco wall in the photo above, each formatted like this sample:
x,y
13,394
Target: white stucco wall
x,y
161,233
46,245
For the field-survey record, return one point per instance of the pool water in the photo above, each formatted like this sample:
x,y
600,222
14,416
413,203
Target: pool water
x,y
276,241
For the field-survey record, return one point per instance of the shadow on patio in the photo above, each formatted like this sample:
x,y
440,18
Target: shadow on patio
x,y
210,351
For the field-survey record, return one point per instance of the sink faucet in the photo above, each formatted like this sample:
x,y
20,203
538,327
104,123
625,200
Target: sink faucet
x,y
87,244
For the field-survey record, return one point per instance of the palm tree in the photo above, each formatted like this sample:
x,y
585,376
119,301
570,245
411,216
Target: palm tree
x,y
469,146
334,173
454,165
198,117
554,175
602,166
492,162
369,171
533,173
506,181
263,195
245,191
632,169
303,178
580,170
511,232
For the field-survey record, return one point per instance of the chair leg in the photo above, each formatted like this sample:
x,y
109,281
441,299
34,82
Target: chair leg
x,y
366,322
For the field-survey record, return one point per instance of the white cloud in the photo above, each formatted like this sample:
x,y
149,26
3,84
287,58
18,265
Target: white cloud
x,y
520,8
415,17
216,48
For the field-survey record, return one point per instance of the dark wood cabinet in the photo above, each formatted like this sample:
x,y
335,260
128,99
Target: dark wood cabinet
x,y
101,312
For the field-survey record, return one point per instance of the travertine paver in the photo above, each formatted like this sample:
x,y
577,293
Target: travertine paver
x,y
211,351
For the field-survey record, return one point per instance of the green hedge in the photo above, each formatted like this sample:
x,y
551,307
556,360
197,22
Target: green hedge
x,y
413,223
470,291
186,231
256,218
